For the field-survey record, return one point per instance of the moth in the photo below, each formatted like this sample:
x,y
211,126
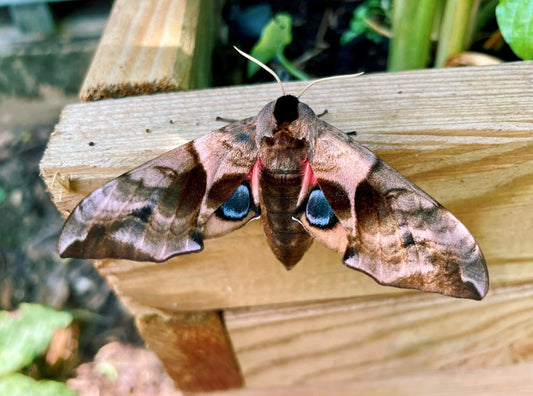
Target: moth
x,y
305,180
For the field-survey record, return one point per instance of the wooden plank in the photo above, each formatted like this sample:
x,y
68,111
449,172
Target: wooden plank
x,y
464,135
515,380
152,47
388,340
193,348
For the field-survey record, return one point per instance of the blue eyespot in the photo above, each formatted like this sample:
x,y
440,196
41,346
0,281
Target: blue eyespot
x,y
237,206
318,212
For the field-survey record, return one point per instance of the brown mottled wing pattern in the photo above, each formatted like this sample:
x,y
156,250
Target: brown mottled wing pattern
x,y
396,233
159,209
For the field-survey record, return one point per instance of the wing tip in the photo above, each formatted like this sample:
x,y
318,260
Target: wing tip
x,y
473,283
67,247
73,247
476,279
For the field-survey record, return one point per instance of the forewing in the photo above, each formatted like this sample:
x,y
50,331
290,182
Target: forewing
x,y
159,209
395,232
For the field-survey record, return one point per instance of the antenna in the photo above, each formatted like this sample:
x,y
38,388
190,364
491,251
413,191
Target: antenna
x,y
327,79
268,69
263,66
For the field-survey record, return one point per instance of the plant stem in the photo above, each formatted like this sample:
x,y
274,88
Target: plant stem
x,y
455,29
485,13
412,23
296,73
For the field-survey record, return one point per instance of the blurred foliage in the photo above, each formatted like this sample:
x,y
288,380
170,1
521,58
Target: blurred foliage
x,y
515,19
107,370
24,335
20,384
276,35
432,32
361,22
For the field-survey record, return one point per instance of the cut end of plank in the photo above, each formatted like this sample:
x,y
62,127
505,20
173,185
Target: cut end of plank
x,y
110,91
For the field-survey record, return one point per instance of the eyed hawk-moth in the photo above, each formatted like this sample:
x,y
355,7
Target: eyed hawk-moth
x,y
306,180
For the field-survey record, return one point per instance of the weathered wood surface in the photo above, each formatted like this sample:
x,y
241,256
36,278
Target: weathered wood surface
x,y
387,340
153,46
464,135
193,348
511,380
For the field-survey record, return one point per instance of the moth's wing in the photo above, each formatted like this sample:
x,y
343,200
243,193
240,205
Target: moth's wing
x,y
393,231
161,208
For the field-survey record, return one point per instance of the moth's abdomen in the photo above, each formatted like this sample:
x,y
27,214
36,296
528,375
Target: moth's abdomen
x,y
279,202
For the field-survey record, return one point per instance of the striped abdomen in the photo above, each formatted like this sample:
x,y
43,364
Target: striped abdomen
x,y
280,184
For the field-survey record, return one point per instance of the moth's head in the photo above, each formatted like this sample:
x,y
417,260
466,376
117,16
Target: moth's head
x,y
286,109
286,114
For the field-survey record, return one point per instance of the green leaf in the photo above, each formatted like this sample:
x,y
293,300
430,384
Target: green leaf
x,y
276,35
515,19
358,26
22,385
348,35
26,333
358,23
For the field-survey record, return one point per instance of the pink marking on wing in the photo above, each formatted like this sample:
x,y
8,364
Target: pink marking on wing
x,y
255,171
308,181
253,179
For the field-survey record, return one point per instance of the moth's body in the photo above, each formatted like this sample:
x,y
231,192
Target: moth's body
x,y
306,180
282,166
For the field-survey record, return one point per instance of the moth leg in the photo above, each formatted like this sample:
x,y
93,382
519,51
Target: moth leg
x,y
323,113
223,119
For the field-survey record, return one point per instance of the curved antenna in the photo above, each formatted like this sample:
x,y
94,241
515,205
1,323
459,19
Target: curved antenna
x,y
327,79
263,66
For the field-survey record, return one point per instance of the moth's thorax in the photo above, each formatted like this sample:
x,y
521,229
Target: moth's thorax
x,y
282,165
282,152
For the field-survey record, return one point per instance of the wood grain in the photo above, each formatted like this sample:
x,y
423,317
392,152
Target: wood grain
x,y
386,339
193,348
515,380
152,47
464,135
